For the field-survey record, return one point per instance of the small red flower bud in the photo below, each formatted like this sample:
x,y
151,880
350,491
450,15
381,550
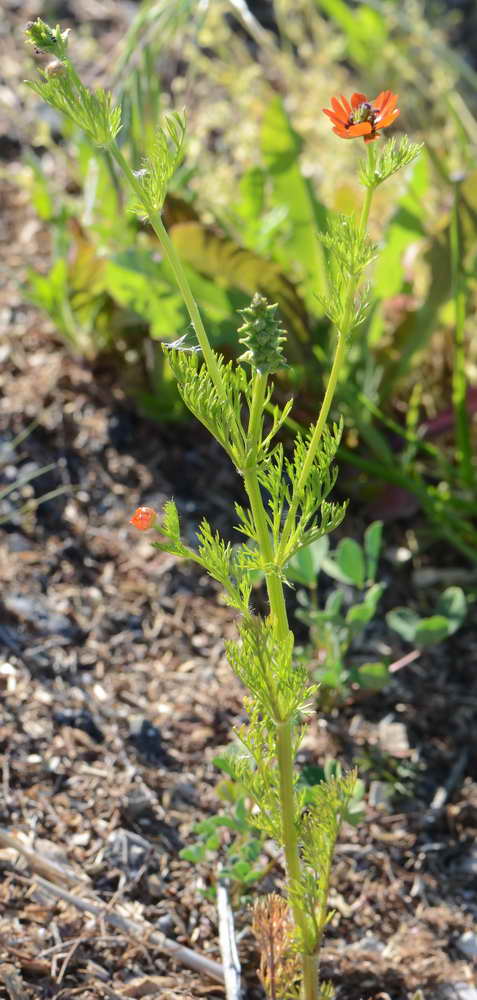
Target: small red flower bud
x,y
143,518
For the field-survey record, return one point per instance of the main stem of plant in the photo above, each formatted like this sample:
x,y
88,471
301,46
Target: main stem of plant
x,y
284,730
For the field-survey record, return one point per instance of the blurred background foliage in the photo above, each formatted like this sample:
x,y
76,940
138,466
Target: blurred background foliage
x,y
262,173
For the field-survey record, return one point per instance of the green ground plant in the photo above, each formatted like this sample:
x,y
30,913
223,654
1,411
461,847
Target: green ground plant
x,y
337,630
287,493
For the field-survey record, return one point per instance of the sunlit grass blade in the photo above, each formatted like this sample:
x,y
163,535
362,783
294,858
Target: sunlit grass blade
x,y
459,377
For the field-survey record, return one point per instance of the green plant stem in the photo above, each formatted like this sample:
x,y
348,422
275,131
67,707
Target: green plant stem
x,y
310,977
255,422
284,730
459,380
179,274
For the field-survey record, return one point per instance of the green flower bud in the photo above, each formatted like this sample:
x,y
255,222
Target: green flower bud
x,y
263,336
47,39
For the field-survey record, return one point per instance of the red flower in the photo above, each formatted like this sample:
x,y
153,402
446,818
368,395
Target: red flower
x,y
143,518
363,117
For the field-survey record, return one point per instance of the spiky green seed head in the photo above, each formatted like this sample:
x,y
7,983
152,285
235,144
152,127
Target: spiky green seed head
x,y
262,335
47,39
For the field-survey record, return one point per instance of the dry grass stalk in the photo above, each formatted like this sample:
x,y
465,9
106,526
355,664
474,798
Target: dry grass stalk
x,y
279,962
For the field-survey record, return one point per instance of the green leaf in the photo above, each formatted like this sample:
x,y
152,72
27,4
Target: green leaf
x,y
213,842
374,596
102,203
364,28
252,186
405,227
452,604
372,676
195,854
136,281
40,194
304,566
224,762
281,147
333,604
234,267
431,630
350,560
360,614
372,548
240,870
332,676
405,622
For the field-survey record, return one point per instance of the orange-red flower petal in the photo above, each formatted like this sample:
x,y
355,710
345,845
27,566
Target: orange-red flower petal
x,y
334,117
375,115
346,105
357,99
362,128
340,112
385,103
389,120
143,518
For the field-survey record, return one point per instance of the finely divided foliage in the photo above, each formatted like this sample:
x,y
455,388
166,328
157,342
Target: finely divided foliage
x,y
287,493
395,154
158,168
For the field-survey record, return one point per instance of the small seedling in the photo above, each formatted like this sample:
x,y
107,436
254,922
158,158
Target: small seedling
x,y
338,627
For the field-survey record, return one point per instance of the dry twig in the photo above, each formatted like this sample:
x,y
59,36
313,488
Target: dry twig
x,y
228,947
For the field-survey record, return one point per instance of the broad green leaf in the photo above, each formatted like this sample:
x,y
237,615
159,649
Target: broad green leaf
x,y
468,213
136,281
101,210
372,548
404,622
431,630
240,870
231,266
374,595
333,603
251,189
350,560
364,28
406,227
332,676
360,614
39,189
305,565
281,147
373,676
452,604
49,290
194,854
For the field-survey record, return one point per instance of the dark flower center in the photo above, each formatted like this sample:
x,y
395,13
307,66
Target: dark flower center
x,y
364,113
